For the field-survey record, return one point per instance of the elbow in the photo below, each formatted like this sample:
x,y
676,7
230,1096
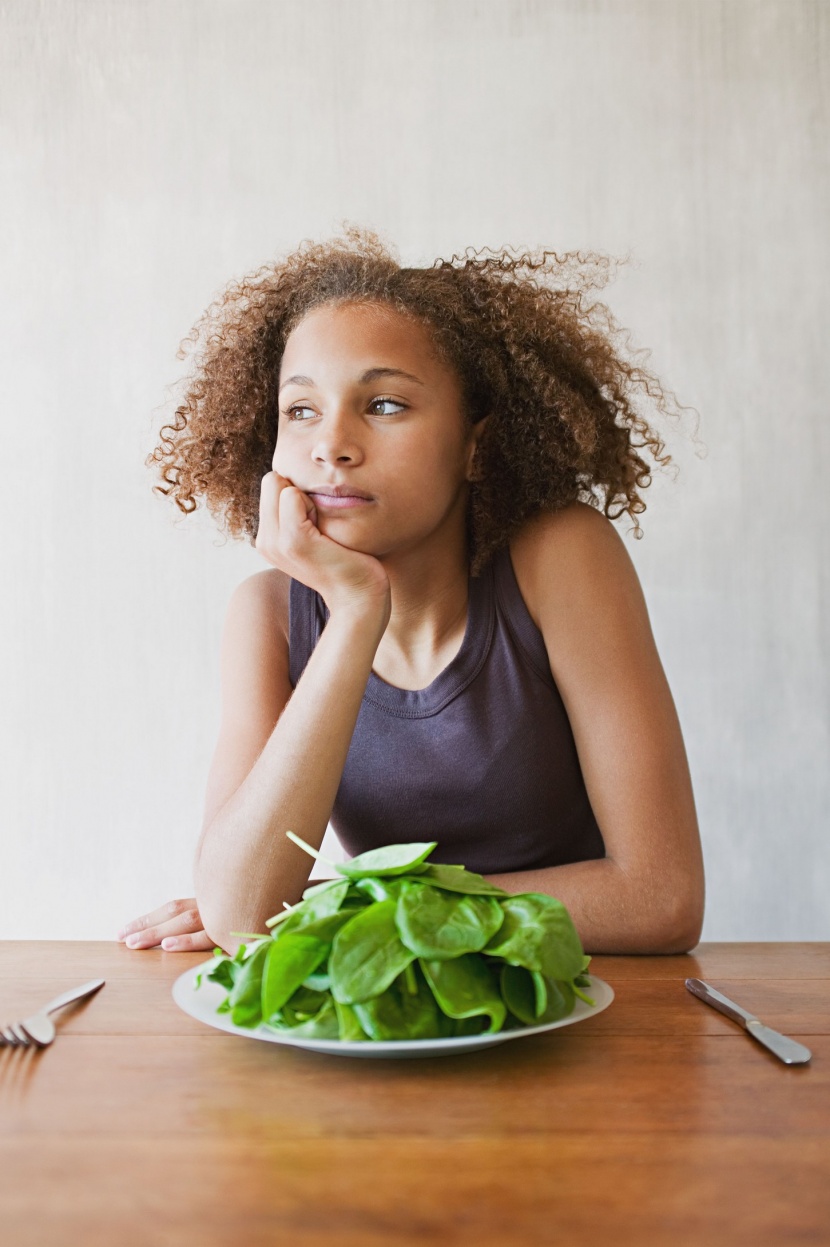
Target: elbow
x,y
217,928
216,920
680,939
679,922
220,933
223,920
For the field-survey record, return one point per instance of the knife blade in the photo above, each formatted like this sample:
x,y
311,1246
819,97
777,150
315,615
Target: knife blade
x,y
786,1049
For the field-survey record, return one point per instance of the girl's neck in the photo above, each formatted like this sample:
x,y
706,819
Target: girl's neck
x,y
429,589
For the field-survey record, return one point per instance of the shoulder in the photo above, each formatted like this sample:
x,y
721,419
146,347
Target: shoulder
x,y
576,550
262,598
255,638
581,589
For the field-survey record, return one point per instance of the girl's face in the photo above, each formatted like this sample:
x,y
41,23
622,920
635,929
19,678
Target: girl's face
x,y
366,405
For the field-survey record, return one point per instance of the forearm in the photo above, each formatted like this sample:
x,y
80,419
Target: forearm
x,y
246,866
615,912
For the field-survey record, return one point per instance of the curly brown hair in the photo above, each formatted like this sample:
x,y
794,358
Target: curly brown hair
x,y
531,350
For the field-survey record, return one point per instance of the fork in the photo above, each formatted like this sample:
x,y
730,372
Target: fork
x,y
38,1030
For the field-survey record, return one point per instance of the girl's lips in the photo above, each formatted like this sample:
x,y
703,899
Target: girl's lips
x,y
335,503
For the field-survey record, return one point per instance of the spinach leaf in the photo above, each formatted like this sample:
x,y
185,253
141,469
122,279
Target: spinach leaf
x,y
439,924
317,889
457,879
304,1004
350,1028
289,961
321,1025
380,889
245,1000
399,1013
367,954
532,998
561,1000
223,972
320,905
318,982
538,933
324,1025
474,1025
465,986
583,979
391,859
327,901
325,928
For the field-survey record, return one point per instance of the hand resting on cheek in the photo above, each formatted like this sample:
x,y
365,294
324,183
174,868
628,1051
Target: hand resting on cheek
x,y
289,537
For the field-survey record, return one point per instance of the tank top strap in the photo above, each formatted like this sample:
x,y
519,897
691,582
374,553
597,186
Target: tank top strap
x,y
512,607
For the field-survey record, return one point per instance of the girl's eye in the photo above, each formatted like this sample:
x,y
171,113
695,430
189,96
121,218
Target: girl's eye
x,y
393,401
291,411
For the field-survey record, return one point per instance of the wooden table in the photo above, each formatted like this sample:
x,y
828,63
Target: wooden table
x,y
658,1121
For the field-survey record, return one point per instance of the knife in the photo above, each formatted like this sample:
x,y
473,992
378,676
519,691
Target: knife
x,y
787,1050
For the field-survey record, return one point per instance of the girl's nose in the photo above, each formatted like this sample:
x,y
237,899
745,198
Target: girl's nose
x,y
336,443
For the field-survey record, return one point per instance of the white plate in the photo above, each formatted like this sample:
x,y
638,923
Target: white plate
x,y
201,1003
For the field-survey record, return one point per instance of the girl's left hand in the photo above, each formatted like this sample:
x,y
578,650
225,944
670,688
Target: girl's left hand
x,y
177,926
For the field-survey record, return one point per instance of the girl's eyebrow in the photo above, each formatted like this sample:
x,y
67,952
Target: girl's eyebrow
x,y
371,374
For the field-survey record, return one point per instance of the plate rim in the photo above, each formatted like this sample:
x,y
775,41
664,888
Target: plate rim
x,y
184,986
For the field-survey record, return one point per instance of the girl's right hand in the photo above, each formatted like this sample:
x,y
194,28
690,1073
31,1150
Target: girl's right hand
x,y
178,921
289,538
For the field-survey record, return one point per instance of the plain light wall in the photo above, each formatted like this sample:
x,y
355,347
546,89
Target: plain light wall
x,y
154,149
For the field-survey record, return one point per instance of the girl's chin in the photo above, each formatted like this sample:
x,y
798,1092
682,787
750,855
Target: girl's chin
x,y
343,535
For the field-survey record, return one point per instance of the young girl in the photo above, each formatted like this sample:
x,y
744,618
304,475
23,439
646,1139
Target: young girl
x,y
450,642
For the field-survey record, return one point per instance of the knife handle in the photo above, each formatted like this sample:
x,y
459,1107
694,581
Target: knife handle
x,y
786,1049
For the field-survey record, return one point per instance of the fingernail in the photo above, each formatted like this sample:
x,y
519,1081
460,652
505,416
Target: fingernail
x,y
169,943
132,940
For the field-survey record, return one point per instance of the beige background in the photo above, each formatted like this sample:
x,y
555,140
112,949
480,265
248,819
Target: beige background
x,y
153,149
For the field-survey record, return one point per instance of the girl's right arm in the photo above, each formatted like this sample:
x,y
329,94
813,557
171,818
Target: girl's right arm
x,y
281,753
272,755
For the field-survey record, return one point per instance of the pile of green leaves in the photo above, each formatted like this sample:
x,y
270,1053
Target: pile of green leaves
x,y
398,948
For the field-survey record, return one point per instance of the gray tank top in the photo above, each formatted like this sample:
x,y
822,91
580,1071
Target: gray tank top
x,y
483,760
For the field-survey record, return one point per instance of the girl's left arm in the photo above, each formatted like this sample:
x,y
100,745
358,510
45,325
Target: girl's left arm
x,y
646,895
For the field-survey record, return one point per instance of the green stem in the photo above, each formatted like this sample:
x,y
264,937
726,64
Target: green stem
x,y
309,849
272,922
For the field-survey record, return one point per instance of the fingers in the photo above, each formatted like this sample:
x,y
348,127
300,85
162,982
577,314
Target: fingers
x,y
179,919
268,530
184,907
295,508
197,942
284,511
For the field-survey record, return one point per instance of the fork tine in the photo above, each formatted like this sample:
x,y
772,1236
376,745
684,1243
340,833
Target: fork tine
x,y
19,1032
9,1037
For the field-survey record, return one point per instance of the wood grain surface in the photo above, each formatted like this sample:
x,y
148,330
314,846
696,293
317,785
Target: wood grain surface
x,y
658,1121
